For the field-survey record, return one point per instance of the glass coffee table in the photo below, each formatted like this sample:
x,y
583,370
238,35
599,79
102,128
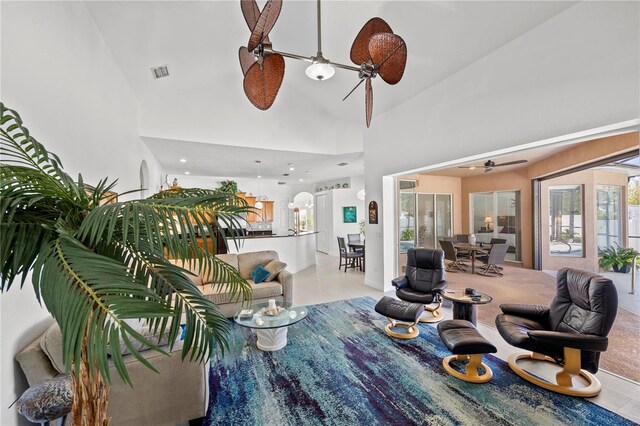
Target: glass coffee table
x,y
464,307
271,330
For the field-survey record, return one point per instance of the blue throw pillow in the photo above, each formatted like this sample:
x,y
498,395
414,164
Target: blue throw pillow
x,y
259,274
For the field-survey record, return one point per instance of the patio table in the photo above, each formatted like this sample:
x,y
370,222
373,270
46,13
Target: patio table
x,y
473,249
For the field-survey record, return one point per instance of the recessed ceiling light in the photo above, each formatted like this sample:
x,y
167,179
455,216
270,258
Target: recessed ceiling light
x,y
301,180
187,173
291,168
183,160
259,177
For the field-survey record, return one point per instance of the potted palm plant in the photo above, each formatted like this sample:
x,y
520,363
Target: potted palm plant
x,y
97,262
616,257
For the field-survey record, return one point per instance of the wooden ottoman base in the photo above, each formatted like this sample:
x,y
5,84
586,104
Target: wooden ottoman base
x,y
471,369
412,330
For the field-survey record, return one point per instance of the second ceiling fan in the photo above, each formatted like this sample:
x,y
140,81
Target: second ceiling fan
x,y
376,50
489,165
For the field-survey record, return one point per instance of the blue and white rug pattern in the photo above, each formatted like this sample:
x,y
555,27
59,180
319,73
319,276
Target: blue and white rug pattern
x,y
340,368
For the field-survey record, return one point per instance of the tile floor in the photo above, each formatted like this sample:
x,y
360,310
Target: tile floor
x,y
323,283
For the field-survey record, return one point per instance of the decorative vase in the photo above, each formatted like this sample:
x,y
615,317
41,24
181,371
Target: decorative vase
x,y
472,239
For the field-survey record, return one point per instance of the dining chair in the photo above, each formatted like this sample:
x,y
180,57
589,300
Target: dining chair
x,y
352,259
494,259
451,255
354,238
462,238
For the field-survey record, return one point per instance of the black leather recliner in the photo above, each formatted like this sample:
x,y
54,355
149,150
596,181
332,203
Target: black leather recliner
x,y
572,331
424,280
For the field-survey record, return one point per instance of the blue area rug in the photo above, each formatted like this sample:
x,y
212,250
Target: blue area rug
x,y
340,368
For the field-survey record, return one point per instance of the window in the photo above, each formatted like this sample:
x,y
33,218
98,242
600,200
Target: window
x,y
565,221
608,215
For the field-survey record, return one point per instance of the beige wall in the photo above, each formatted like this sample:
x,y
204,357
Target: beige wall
x,y
589,179
503,181
584,153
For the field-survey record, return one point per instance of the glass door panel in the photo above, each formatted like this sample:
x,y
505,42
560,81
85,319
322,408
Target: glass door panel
x,y
407,221
406,227
508,222
426,231
565,221
443,217
482,216
497,215
608,215
423,219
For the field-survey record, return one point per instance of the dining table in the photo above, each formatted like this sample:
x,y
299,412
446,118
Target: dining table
x,y
473,249
358,245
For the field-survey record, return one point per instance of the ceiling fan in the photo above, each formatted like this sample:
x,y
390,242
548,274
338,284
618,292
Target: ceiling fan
x,y
376,50
489,165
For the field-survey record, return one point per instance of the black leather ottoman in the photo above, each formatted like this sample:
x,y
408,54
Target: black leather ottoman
x,y
467,344
398,310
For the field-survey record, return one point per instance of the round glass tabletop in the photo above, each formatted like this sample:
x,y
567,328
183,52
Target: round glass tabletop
x,y
457,295
256,317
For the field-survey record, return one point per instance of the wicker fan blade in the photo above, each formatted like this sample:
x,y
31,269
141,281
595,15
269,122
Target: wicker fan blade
x,y
265,23
510,163
246,59
368,100
360,46
251,13
262,82
389,52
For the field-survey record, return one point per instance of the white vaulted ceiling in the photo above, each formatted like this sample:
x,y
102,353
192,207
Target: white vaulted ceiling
x,y
203,100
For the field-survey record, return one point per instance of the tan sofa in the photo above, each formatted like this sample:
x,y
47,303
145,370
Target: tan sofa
x,y
180,392
176,395
280,289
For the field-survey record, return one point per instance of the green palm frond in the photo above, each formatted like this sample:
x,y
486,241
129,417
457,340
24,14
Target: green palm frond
x,y
90,294
96,265
19,147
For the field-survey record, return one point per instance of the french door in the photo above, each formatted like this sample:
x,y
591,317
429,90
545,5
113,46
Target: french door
x,y
424,219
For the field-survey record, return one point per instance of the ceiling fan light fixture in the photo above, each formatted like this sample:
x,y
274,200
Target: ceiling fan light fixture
x,y
320,69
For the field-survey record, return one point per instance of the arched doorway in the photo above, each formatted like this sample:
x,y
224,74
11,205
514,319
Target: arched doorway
x,y
144,180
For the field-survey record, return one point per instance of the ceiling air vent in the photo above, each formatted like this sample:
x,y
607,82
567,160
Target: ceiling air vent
x,y
282,183
342,164
285,174
160,72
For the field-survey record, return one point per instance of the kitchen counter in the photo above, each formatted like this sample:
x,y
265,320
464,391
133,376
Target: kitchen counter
x,y
297,251
302,234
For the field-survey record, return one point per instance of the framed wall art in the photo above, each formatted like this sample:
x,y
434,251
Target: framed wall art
x,y
373,213
349,214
